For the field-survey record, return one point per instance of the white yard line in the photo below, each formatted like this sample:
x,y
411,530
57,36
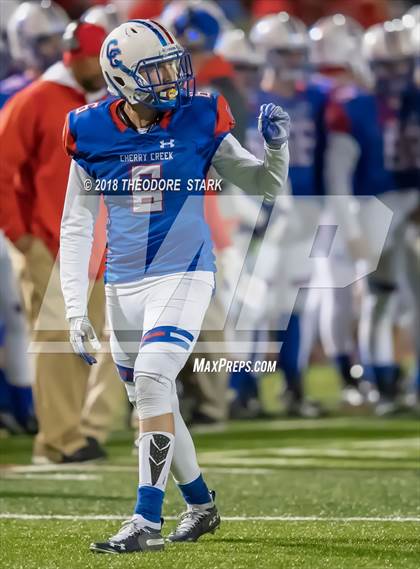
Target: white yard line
x,y
398,519
51,476
46,471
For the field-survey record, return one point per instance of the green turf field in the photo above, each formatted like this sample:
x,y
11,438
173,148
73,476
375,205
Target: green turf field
x,y
337,493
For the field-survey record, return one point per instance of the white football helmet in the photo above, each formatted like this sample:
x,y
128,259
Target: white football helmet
x,y
335,42
31,25
284,42
412,17
390,50
390,41
280,32
104,16
143,63
234,46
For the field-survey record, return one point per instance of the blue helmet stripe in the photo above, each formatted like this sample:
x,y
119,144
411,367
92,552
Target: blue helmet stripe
x,y
151,27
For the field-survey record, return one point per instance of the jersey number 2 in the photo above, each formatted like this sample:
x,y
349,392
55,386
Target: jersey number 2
x,y
146,200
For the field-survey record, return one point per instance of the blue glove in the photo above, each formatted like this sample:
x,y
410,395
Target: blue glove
x,y
274,125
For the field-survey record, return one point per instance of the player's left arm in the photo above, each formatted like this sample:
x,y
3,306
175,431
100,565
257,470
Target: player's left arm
x,y
238,166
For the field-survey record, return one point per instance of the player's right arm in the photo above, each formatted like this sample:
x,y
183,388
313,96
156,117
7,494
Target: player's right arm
x,y
81,209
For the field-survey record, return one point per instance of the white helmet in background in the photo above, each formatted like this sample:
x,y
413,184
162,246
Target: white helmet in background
x,y
235,47
415,37
143,63
412,17
390,41
284,41
34,32
390,51
106,17
336,42
280,32
6,62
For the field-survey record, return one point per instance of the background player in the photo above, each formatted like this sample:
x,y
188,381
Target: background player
x,y
34,32
285,42
364,159
336,56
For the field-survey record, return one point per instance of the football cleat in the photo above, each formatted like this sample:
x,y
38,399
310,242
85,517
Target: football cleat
x,y
352,397
131,538
196,522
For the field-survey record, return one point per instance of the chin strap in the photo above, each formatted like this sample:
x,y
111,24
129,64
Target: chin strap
x,y
128,122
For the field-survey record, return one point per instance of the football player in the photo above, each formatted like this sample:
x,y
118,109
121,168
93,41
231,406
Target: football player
x,y
160,263
285,80
236,48
336,56
410,133
16,377
34,31
364,159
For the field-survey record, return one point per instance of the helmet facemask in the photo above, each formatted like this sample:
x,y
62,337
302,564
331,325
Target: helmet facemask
x,y
164,82
392,77
289,65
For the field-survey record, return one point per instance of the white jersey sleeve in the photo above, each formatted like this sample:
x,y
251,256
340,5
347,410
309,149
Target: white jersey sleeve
x,y
256,177
76,239
341,156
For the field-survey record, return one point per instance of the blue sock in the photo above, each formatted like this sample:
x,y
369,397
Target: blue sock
x,y
289,355
149,503
343,365
245,384
23,403
417,377
384,377
196,492
6,403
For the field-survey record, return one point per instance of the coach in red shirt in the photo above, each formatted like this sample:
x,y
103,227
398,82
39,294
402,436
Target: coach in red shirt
x,y
33,181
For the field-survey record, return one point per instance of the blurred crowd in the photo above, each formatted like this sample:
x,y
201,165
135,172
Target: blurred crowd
x,y
329,275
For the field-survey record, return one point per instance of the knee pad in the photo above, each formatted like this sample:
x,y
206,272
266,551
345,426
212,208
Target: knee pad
x,y
153,395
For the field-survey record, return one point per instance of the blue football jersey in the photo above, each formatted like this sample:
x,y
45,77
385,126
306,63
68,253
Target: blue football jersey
x,y
375,125
410,137
12,85
307,139
156,231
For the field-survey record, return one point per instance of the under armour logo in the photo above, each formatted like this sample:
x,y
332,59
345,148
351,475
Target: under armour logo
x,y
170,143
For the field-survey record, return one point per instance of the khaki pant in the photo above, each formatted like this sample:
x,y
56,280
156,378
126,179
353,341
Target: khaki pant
x,y
65,387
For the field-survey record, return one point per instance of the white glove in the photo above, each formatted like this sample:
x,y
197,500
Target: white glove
x,y
81,330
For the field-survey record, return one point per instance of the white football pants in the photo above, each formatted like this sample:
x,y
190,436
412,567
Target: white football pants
x,y
155,324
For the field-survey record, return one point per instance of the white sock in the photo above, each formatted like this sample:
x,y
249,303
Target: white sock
x,y
142,522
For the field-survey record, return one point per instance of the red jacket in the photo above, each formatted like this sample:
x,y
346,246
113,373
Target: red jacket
x,y
34,168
